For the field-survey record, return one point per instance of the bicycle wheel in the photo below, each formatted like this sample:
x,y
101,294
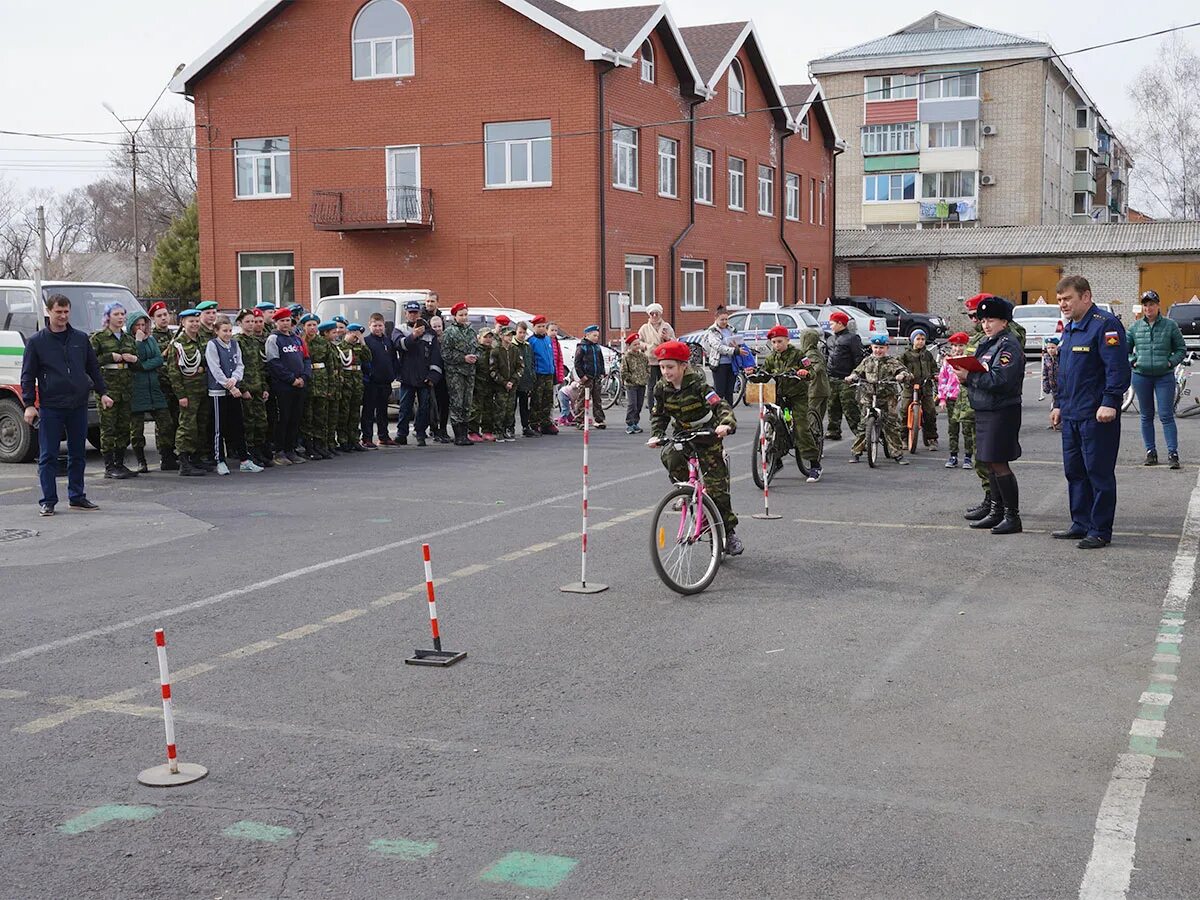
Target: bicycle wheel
x,y
1131,400
872,442
610,390
685,563
817,430
756,467
739,389
914,427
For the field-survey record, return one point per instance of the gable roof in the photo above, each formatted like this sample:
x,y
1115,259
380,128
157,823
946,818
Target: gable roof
x,y
797,97
614,28
710,44
803,97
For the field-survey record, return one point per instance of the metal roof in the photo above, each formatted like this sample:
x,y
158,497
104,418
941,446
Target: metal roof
x,y
908,43
1120,239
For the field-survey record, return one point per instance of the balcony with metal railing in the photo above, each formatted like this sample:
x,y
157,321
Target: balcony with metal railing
x,y
372,209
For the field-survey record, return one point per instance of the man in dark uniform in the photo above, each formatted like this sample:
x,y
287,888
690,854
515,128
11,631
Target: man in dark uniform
x,y
1093,375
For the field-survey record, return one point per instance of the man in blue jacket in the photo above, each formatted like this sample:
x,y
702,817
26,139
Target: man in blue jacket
x,y
1093,375
290,371
58,370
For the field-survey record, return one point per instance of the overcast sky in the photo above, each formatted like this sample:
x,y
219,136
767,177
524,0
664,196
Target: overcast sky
x,y
63,58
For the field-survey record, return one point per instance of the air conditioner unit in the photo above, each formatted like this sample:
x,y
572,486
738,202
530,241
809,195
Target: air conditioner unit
x,y
987,179
989,130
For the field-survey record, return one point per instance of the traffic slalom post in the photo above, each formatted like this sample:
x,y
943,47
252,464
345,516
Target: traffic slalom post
x,y
437,656
581,586
172,773
762,456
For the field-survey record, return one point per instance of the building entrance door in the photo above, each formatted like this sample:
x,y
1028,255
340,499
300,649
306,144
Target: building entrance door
x,y
404,184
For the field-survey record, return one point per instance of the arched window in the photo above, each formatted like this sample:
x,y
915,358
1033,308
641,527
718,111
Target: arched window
x,y
737,89
383,40
648,62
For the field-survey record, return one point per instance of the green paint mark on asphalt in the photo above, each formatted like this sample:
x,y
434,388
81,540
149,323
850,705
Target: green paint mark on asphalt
x,y
380,521
402,849
117,812
259,515
1170,629
257,831
1168,649
1139,743
530,870
1150,711
1159,687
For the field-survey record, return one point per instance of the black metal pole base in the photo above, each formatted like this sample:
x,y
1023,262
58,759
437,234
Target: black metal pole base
x,y
441,658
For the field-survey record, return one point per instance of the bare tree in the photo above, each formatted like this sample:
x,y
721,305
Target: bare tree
x,y
1165,140
166,171
16,239
67,218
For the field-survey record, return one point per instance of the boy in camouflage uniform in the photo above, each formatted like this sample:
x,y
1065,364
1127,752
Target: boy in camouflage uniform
x,y
483,404
818,374
115,351
459,356
785,359
635,373
684,398
507,365
254,386
316,410
888,373
923,368
351,353
164,432
333,332
189,384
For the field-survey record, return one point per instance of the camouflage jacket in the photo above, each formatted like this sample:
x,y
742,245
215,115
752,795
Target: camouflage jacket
x,y
786,363
457,342
507,364
117,375
920,364
254,363
323,358
693,406
635,368
184,362
882,371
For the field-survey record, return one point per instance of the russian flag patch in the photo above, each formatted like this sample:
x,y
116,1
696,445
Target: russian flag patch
x,y
713,398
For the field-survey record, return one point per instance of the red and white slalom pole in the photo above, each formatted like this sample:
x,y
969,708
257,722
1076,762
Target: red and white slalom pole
x,y
762,454
433,625
174,772
583,587
437,656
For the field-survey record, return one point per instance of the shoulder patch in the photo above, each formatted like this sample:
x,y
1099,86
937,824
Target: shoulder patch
x,y
1112,338
712,398
1005,358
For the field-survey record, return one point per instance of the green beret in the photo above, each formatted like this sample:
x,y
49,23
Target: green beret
x,y
206,305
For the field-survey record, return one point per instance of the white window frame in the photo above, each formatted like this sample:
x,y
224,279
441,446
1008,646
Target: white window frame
x,y
812,203
890,175
314,279
1088,165
737,283
401,209
1087,117
639,273
273,158
668,167
647,66
508,143
775,276
1087,203
624,153
815,282
692,272
791,206
804,135
766,190
940,82
953,195
896,137
803,284
824,195
702,176
394,40
882,88
737,184
736,82
962,129
260,271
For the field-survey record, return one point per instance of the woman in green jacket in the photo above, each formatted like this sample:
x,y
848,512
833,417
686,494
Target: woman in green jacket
x,y
1156,347
147,394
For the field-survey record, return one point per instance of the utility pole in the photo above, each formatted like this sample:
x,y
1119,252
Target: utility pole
x,y
41,267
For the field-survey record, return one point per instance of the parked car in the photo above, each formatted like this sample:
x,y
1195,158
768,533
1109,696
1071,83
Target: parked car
x,y
751,326
358,307
1187,316
900,321
1040,321
866,325
21,317
479,316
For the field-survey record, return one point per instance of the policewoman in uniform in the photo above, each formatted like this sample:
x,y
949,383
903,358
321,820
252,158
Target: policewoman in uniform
x,y
995,396
1093,375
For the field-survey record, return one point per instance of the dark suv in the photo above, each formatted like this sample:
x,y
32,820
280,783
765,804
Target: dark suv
x,y
1187,317
899,320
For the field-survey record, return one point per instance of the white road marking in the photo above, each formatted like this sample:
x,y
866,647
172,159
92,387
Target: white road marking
x,y
1114,843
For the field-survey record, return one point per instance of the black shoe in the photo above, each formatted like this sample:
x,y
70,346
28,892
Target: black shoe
x,y
833,437
1151,458
143,467
120,458
402,440
324,451
993,518
168,462
83,503
113,469
1092,543
975,513
421,440
1068,534
45,509
527,432
188,467
1173,458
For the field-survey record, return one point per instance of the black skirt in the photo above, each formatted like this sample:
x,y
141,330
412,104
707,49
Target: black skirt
x,y
998,434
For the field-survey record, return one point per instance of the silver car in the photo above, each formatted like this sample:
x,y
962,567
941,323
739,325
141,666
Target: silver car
x,y
1040,321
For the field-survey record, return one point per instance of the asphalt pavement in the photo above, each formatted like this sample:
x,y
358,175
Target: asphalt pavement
x,y
873,701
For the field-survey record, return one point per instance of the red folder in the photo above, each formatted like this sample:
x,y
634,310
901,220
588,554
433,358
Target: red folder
x,y
970,363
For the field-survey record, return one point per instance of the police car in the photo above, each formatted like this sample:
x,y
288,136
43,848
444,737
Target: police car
x,y
751,327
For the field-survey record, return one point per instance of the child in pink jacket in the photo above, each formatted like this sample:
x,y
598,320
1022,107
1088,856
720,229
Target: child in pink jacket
x,y
953,399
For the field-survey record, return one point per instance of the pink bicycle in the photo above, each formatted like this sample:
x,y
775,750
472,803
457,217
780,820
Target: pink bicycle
x,y
687,537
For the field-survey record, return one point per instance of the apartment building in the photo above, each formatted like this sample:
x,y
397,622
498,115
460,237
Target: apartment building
x,y
508,153
952,124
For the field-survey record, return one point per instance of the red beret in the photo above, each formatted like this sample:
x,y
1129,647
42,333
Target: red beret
x,y
777,331
676,350
960,337
538,320
632,337
839,316
973,303
456,307
155,307
502,319
280,314
257,313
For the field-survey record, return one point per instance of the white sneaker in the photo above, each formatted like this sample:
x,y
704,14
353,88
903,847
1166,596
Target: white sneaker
x,y
222,469
248,465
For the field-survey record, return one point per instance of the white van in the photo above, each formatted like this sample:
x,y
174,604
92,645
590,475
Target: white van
x,y
21,317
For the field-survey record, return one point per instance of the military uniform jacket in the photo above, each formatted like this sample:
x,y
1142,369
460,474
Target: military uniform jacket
x,y
457,342
882,371
254,363
323,357
164,336
1000,386
635,368
1093,365
694,406
814,360
483,366
507,364
119,376
185,366
350,359
921,366
787,363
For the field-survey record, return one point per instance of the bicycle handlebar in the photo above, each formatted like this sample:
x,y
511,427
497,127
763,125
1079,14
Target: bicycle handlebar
x,y
681,437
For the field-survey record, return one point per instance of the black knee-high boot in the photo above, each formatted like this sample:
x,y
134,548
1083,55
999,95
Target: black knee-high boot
x,y
996,514
1011,523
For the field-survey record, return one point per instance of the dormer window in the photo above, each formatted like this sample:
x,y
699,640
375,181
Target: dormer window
x,y
648,62
737,89
383,41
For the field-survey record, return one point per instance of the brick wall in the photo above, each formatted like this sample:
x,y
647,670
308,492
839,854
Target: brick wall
x,y
1013,100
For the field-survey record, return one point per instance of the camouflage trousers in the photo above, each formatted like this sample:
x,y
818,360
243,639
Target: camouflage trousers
x,y
349,411
716,476
461,386
967,415
312,422
115,423
333,416
802,439
543,402
891,429
164,429
192,435
928,412
956,423
254,417
506,409
483,407
842,402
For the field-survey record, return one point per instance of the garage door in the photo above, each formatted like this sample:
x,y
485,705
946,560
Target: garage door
x,y
1021,284
907,285
1174,282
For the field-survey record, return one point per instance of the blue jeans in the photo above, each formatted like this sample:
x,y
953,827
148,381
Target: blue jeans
x,y
51,424
1152,391
421,394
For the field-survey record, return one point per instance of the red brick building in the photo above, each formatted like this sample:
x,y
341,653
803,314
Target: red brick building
x,y
508,153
